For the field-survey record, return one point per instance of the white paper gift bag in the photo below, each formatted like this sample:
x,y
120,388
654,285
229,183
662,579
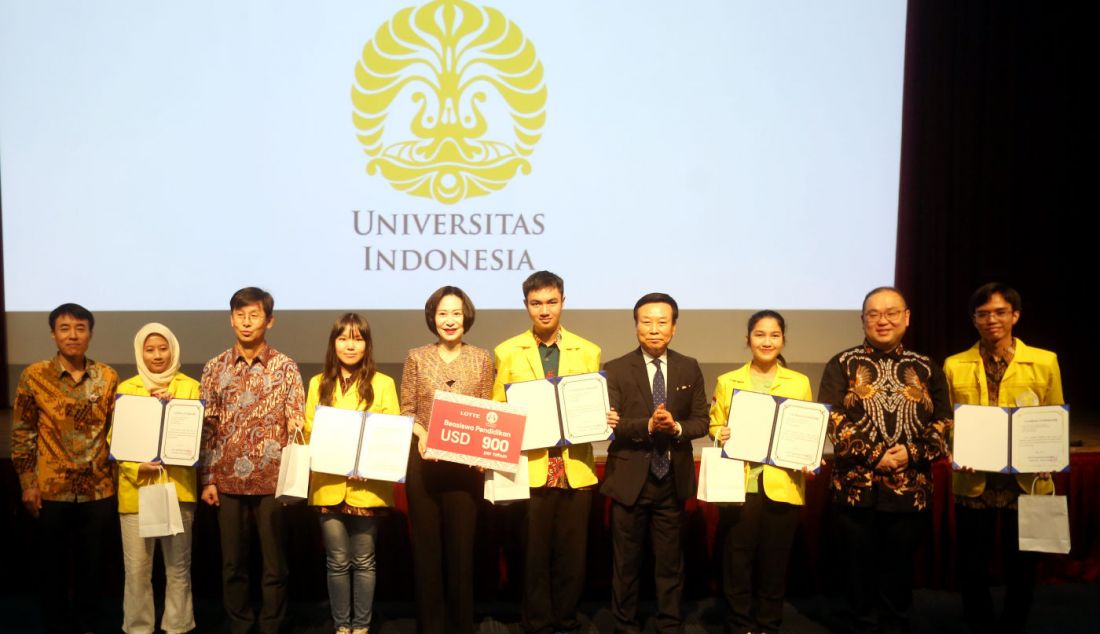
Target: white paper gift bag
x,y
293,485
721,479
1044,522
508,487
159,509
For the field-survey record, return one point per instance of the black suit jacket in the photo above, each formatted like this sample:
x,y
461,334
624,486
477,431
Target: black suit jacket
x,y
631,395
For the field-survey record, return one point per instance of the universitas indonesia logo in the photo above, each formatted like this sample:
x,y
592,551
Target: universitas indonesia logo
x,y
449,101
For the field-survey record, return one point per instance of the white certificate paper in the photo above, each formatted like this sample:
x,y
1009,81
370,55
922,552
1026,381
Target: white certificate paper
x,y
384,454
1012,440
788,434
1040,439
333,440
750,421
584,407
144,429
361,444
135,428
981,438
540,400
800,429
182,435
564,411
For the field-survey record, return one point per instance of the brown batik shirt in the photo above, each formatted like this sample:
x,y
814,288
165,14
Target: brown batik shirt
x,y
59,431
248,407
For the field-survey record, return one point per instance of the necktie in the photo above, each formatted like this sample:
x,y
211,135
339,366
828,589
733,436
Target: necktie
x,y
658,461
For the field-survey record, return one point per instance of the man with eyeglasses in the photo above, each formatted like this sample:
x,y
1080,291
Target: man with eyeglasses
x,y
999,370
889,421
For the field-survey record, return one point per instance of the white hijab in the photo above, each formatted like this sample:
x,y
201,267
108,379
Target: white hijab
x,y
152,381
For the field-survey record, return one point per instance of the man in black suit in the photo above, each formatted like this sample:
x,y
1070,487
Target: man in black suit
x,y
662,407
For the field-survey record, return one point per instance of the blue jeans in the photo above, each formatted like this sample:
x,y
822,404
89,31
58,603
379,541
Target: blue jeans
x,y
349,548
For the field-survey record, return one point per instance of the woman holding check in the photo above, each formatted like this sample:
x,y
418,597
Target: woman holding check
x,y
758,542
350,507
443,496
157,354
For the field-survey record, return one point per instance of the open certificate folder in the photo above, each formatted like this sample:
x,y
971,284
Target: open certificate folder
x,y
1012,440
564,410
145,428
360,444
783,432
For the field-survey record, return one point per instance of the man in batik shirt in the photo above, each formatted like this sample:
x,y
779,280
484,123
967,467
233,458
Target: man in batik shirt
x,y
890,416
254,400
59,450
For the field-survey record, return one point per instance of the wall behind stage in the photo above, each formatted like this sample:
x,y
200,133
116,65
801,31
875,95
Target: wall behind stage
x,y
715,337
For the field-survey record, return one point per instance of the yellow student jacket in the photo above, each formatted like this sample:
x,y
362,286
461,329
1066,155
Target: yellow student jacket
x,y
182,386
326,489
781,485
1031,369
517,359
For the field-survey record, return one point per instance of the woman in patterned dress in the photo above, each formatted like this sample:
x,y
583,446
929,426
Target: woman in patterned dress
x,y
443,496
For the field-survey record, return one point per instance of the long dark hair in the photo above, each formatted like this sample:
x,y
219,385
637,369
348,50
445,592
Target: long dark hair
x,y
764,314
362,374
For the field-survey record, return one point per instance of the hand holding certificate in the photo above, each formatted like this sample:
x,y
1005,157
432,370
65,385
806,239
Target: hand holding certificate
x,y
475,432
565,410
360,444
145,429
772,430
1012,440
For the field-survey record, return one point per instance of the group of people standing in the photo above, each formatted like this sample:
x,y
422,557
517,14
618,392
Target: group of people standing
x,y
890,420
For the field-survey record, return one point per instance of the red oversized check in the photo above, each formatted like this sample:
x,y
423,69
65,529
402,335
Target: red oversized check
x,y
475,431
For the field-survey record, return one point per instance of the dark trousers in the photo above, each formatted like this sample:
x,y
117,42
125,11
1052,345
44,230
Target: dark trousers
x,y
236,517
557,539
72,532
976,530
659,513
443,499
754,561
878,549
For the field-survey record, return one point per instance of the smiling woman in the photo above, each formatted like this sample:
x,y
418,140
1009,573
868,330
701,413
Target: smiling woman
x,y
157,354
348,507
443,496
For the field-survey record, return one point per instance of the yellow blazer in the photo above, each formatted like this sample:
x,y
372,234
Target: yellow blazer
x,y
1031,370
781,485
182,386
326,489
517,359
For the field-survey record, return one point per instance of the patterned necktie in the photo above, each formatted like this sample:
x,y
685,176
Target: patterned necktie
x,y
658,461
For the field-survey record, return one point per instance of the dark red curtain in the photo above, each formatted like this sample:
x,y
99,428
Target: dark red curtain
x,y
993,175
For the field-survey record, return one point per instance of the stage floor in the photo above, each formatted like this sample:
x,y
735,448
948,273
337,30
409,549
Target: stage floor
x,y
1064,608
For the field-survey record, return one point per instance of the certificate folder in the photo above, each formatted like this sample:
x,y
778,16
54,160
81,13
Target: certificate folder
x,y
1011,439
360,444
145,428
777,431
563,410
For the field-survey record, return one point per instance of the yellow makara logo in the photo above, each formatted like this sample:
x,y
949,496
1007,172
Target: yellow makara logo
x,y
479,95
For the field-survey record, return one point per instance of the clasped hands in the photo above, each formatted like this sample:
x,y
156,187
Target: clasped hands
x,y
662,422
894,460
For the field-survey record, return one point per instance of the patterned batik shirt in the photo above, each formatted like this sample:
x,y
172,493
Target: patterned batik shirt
x,y
59,431
881,399
1001,490
248,406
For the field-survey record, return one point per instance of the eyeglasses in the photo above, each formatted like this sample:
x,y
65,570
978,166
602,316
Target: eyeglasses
x,y
893,315
985,315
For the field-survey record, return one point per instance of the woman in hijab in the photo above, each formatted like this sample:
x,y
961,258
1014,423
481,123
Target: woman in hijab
x,y
158,362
